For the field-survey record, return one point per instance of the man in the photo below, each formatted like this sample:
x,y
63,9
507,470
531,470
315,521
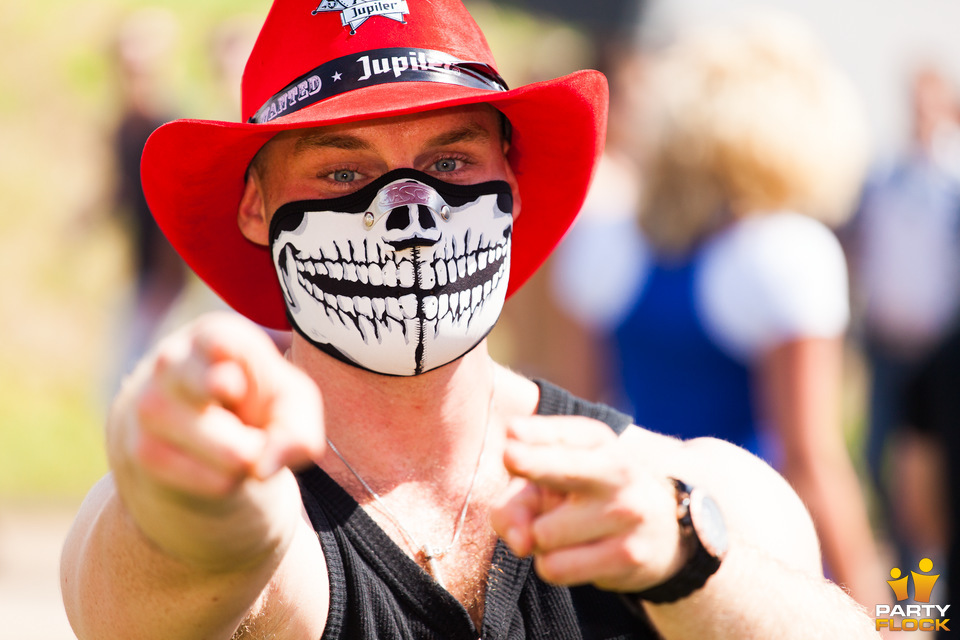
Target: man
x,y
430,499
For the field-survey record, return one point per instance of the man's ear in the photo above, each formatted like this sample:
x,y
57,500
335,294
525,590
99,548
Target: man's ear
x,y
252,212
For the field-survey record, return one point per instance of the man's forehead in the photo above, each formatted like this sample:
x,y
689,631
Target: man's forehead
x,y
440,126
356,141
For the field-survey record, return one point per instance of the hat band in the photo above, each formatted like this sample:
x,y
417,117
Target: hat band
x,y
378,66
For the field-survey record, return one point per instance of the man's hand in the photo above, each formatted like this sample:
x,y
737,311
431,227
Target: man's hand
x,y
201,431
584,507
200,512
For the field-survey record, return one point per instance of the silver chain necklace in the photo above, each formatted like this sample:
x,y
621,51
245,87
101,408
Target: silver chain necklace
x,y
430,554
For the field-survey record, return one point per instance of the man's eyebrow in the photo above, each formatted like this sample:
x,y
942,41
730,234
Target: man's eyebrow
x,y
330,141
473,132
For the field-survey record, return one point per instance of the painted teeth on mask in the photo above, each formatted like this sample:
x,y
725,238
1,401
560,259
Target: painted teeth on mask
x,y
363,306
443,305
451,270
428,278
393,308
390,274
369,313
406,274
401,273
376,275
368,329
343,249
408,305
460,306
358,254
363,312
430,307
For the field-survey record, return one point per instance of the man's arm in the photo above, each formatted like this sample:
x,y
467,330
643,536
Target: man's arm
x,y
594,508
199,514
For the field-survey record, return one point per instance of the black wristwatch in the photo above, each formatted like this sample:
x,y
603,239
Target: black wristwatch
x,y
701,526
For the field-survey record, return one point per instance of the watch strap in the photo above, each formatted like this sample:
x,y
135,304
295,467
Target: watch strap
x,y
696,570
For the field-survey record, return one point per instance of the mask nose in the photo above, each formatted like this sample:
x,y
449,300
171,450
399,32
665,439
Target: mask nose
x,y
412,225
411,214
413,217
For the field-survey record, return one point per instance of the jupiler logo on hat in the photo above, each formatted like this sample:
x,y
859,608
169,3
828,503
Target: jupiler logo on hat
x,y
356,12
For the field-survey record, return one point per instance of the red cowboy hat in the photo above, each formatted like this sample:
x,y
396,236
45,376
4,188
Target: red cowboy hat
x,y
348,60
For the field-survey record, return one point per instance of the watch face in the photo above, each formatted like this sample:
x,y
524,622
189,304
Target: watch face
x,y
708,523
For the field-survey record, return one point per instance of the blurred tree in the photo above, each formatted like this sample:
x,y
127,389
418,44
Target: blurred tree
x,y
604,19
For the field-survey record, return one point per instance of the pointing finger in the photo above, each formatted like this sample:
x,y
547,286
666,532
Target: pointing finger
x,y
211,433
571,431
294,428
513,516
565,469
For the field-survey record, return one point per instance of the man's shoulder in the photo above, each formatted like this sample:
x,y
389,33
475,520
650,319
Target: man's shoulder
x,y
555,400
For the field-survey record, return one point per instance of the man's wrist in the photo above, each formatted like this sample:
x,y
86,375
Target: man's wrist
x,y
704,541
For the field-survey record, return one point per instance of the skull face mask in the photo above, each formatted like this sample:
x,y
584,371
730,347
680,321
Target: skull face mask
x,y
403,276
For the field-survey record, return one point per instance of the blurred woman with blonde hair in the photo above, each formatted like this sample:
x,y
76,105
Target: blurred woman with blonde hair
x,y
725,317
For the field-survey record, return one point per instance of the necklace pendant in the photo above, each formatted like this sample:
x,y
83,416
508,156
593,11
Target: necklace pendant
x,y
432,564
429,553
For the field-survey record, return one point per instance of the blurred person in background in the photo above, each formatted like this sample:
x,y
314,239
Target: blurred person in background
x,y
927,493
229,44
144,43
535,335
605,226
725,315
904,249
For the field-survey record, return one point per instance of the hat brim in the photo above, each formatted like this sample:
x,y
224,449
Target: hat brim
x,y
193,175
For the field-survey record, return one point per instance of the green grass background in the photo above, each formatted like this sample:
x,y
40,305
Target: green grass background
x,y
63,260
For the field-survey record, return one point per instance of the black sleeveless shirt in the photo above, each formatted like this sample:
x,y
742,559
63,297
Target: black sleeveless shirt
x,y
378,593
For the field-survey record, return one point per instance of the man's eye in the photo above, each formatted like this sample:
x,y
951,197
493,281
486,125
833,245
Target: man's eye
x,y
344,175
446,165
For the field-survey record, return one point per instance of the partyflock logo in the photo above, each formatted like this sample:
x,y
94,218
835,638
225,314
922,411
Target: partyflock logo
x,y
356,12
920,616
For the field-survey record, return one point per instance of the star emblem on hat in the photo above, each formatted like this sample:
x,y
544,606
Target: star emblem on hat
x,y
356,12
